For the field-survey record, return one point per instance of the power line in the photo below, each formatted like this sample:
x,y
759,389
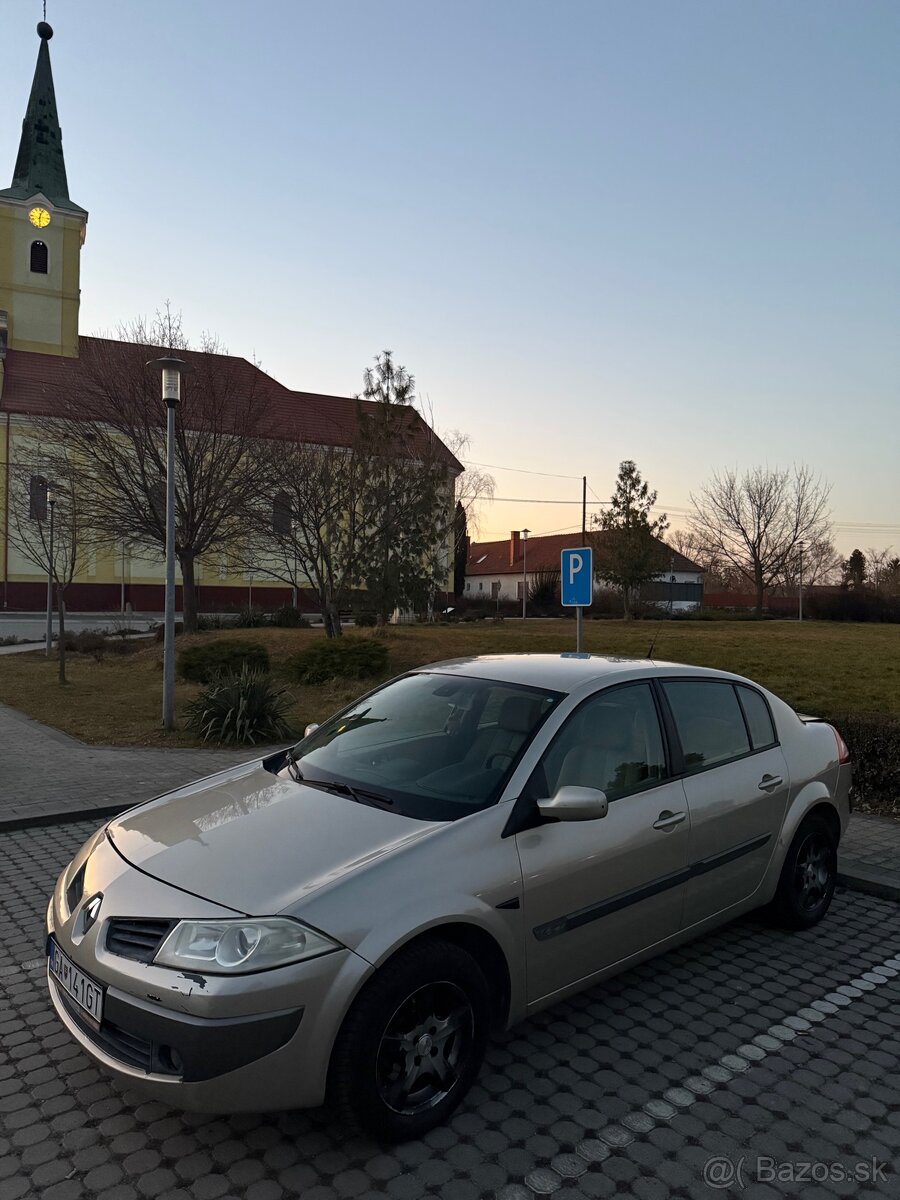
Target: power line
x,y
520,470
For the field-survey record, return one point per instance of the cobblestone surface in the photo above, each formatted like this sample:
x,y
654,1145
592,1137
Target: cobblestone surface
x,y
748,1045
43,771
872,845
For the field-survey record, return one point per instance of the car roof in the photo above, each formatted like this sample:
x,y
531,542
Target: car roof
x,y
565,672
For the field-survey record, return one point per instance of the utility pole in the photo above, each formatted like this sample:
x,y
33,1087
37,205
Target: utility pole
x,y
579,611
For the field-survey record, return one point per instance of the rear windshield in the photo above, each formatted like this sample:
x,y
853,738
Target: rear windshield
x,y
431,746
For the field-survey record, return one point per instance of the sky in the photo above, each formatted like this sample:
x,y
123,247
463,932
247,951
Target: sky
x,y
665,230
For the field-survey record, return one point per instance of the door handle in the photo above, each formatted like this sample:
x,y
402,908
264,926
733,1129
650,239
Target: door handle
x,y
769,783
668,820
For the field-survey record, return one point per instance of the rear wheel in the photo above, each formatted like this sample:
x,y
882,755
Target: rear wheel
x,y
412,1043
808,876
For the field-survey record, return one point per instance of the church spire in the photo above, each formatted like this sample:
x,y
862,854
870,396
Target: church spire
x,y
40,166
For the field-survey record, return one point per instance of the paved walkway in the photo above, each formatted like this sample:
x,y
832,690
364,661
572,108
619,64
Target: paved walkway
x,y
44,773
869,858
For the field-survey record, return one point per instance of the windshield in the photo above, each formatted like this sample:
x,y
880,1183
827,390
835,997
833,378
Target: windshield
x,y
428,745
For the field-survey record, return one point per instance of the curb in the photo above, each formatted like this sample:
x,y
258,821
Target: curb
x,y
13,824
869,880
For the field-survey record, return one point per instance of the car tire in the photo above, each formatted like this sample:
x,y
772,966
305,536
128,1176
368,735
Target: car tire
x,y
412,1043
808,876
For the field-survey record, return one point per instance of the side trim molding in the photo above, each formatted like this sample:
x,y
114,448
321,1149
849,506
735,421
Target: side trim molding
x,y
594,912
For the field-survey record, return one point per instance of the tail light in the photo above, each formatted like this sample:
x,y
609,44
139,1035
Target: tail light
x,y
843,752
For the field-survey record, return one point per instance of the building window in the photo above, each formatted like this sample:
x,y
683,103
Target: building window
x,y
481,585
520,587
281,514
39,258
37,498
495,590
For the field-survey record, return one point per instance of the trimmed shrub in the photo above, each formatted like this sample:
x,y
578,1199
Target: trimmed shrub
x,y
289,617
343,657
855,604
366,617
873,740
240,709
87,641
200,664
210,621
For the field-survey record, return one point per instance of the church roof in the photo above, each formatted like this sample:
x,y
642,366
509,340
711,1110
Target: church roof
x,y
40,166
46,385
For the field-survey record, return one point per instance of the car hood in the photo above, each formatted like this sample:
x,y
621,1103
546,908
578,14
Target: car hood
x,y
256,843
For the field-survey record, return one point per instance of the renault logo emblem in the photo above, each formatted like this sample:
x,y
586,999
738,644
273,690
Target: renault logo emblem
x,y
90,911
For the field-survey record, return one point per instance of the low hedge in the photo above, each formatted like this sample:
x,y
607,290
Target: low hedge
x,y
873,740
343,657
201,664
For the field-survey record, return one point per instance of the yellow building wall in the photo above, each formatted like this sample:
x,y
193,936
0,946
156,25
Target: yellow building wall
x,y
42,309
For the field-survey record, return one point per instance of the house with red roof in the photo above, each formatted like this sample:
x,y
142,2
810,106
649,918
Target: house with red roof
x,y
503,570
45,361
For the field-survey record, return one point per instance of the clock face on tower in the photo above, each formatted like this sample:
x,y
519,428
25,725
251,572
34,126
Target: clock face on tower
x,y
39,217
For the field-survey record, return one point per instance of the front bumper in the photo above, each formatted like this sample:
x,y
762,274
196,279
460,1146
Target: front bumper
x,y
250,1043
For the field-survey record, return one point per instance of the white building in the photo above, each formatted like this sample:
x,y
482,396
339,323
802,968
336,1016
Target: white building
x,y
498,570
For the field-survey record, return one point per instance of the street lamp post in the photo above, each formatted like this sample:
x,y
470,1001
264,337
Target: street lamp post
x,y
800,613
525,533
51,502
171,370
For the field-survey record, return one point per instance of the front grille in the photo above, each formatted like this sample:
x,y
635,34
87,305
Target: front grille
x,y
137,938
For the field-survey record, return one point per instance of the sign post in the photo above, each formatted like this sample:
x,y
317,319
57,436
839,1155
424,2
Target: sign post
x,y
577,585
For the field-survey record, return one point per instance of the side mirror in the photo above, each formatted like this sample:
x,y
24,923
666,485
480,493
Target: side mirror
x,y
575,804
310,729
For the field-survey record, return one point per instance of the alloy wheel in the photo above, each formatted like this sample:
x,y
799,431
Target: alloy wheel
x,y
815,865
424,1048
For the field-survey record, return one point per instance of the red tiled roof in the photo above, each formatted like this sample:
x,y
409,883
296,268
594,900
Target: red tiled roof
x,y
493,558
43,385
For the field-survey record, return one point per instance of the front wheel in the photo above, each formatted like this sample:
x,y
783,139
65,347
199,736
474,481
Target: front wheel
x,y
808,876
412,1043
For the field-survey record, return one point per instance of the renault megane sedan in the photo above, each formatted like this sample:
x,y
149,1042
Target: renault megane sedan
x,y
469,843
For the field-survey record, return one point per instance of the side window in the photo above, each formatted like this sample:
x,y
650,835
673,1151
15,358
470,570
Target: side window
x,y
709,720
612,742
759,719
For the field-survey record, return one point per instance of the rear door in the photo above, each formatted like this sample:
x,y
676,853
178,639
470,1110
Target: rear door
x,y
596,892
736,782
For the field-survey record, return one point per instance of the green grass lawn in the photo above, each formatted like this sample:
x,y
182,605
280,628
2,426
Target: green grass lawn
x,y
819,667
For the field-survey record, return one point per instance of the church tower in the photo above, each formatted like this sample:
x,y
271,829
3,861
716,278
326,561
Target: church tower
x,y
41,231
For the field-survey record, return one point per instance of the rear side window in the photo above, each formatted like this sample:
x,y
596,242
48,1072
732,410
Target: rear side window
x,y
709,721
759,719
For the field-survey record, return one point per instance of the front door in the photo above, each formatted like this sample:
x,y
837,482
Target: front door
x,y
596,892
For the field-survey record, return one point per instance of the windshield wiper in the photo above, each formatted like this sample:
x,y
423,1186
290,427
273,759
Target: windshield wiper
x,y
291,763
360,795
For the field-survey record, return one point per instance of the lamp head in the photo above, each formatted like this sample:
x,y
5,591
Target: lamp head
x,y
170,369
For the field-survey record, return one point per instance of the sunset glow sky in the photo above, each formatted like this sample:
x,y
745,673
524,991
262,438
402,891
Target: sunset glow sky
x,y
667,231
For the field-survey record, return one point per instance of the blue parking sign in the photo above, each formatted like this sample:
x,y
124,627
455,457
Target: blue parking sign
x,y
577,577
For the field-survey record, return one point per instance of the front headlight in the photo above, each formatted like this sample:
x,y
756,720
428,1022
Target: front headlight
x,y
236,947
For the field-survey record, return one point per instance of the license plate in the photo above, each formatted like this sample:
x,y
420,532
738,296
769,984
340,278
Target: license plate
x,y
86,993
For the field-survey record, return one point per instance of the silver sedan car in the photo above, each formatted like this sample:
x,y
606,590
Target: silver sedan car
x,y
350,918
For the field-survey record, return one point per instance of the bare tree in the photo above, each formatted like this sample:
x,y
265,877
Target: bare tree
x,y
48,486
304,524
821,564
753,522
115,425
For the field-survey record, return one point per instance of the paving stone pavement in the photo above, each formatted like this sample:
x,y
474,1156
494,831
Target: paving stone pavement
x,y
628,1090
43,771
870,852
